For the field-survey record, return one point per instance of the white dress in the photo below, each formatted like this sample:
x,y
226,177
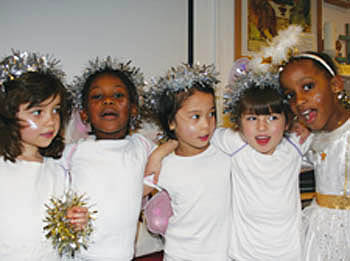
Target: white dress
x,y
328,229
266,199
24,189
110,173
199,187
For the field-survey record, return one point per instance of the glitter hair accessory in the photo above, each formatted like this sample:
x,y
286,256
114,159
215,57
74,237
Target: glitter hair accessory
x,y
178,79
18,63
98,65
262,69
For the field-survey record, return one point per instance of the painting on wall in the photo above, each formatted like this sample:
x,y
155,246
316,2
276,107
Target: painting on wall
x,y
258,21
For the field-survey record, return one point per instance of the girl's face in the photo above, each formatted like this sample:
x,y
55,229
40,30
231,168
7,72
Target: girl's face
x,y
40,124
109,107
311,95
263,132
194,124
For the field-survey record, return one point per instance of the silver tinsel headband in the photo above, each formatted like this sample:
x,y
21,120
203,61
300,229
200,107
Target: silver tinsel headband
x,y
98,65
262,69
18,63
178,79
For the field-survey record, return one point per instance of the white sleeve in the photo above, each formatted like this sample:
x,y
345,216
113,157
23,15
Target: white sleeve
x,y
227,140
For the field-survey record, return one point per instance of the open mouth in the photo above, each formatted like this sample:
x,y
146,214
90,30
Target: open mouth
x,y
204,138
109,114
309,115
47,135
262,140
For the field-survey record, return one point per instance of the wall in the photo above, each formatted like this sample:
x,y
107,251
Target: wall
x,y
153,33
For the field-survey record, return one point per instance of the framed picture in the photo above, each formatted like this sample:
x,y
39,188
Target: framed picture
x,y
340,3
257,21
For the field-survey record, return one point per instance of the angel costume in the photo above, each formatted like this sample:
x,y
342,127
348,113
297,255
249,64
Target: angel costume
x,y
266,200
327,220
110,174
25,188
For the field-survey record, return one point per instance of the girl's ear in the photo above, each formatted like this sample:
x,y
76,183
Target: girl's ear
x,y
172,125
337,84
133,110
84,116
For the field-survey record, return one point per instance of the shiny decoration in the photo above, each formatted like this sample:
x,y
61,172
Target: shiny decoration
x,y
95,66
60,231
177,79
18,63
262,69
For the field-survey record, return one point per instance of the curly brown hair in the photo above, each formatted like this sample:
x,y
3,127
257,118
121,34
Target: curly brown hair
x,y
32,88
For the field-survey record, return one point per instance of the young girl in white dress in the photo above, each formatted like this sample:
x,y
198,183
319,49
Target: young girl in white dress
x,y
34,108
108,165
316,94
197,174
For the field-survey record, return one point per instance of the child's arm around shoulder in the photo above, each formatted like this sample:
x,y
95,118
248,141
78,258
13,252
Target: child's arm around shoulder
x,y
227,140
155,159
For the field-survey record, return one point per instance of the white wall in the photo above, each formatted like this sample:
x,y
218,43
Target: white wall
x,y
153,33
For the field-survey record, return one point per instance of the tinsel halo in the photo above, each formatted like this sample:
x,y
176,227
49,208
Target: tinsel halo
x,y
99,64
177,79
262,69
18,63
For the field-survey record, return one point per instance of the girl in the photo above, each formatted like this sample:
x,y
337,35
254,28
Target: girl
x,y
34,110
315,93
108,165
265,167
196,175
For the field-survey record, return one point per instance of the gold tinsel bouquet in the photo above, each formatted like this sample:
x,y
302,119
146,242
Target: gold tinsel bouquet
x,y
64,238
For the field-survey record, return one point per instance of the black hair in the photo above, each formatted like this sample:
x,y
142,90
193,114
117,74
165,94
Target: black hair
x,y
261,101
170,102
325,57
32,88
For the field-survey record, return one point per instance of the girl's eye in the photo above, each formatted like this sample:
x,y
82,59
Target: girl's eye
x,y
57,110
118,95
272,117
212,114
251,118
308,87
96,96
36,112
195,116
290,96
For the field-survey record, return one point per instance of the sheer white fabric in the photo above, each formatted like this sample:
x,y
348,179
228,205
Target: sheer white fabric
x,y
326,229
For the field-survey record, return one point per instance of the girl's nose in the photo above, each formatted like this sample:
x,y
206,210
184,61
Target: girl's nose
x,y
108,100
299,100
262,124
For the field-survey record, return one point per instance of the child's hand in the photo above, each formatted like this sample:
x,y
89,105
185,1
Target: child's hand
x,y
155,159
78,217
301,131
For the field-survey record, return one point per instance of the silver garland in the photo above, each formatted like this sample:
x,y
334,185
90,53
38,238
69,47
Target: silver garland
x,y
94,66
178,79
18,63
233,92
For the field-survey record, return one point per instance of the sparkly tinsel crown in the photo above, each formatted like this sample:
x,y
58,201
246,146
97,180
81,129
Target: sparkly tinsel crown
x,y
97,65
178,79
18,63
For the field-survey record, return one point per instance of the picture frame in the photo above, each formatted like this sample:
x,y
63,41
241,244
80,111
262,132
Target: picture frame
x,y
241,29
340,3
